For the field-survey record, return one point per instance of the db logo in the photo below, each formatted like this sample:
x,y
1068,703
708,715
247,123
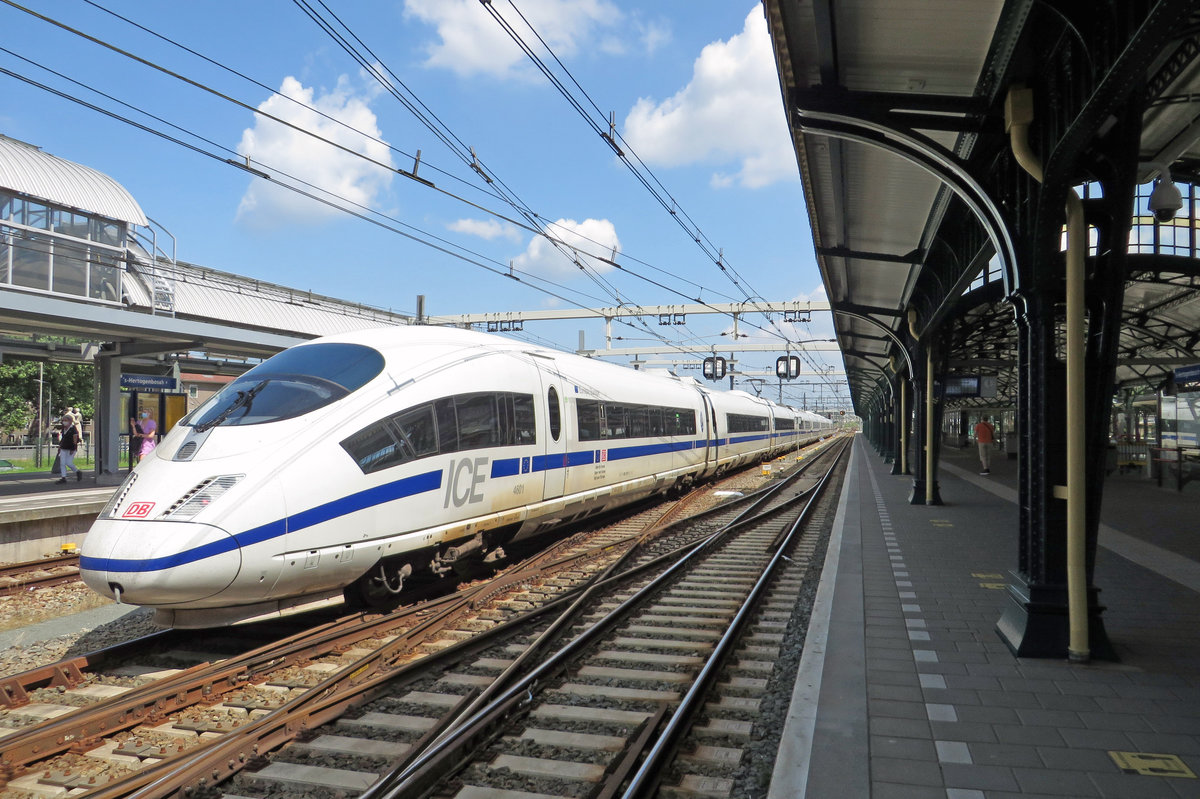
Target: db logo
x,y
138,510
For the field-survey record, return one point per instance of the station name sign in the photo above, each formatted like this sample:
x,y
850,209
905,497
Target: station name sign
x,y
164,383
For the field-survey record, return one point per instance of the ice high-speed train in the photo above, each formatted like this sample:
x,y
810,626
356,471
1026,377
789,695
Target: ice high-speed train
x,y
345,466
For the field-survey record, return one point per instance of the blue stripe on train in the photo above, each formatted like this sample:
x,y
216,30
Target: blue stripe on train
x,y
398,489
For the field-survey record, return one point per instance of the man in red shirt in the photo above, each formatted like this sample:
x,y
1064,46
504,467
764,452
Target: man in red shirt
x,y
985,436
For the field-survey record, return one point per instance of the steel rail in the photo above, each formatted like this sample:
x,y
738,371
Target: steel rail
x,y
11,569
424,772
21,577
325,701
648,775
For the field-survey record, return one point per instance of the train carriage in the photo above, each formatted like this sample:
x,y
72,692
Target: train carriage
x,y
348,465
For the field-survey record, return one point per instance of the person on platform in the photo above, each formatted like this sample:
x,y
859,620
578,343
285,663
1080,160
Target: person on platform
x,y
135,441
149,440
68,443
985,437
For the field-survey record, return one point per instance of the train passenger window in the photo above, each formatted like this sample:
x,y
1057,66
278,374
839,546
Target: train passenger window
x,y
555,414
447,424
745,423
416,432
589,419
685,421
638,420
477,421
784,423
599,420
524,427
614,425
374,448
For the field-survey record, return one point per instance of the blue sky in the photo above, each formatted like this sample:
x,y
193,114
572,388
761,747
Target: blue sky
x,y
689,84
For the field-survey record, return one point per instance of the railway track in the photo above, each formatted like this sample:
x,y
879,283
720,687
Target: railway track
x,y
159,729
41,573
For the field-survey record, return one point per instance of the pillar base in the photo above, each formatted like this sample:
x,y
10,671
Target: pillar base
x,y
917,497
1036,624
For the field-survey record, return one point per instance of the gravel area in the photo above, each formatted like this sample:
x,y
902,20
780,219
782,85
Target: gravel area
x,y
43,626
38,604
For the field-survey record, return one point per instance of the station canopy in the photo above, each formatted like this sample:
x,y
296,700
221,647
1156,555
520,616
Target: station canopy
x,y
876,217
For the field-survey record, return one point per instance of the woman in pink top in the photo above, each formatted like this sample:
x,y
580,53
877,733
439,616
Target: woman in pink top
x,y
148,427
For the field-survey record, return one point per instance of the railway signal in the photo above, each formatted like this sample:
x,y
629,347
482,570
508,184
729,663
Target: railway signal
x,y
715,368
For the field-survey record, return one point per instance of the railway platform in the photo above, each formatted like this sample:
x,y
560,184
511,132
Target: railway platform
x,y
904,670
38,515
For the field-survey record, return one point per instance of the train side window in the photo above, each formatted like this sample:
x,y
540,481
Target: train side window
x,y
639,423
374,448
654,422
614,422
745,423
687,421
447,425
554,413
416,431
524,426
477,421
589,419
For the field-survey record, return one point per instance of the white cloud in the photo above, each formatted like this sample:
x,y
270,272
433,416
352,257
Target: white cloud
x,y
284,150
730,112
485,229
472,43
543,259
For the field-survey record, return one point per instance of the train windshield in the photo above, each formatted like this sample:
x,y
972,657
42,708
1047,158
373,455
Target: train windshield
x,y
294,382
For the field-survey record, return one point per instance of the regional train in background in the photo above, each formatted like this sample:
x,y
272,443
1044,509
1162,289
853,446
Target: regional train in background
x,y
343,467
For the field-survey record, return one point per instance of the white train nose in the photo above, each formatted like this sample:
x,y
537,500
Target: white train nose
x,y
158,563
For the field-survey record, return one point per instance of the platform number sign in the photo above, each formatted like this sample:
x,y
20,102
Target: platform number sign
x,y
787,367
715,368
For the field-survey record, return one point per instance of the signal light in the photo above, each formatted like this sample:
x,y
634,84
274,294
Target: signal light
x,y
715,368
787,367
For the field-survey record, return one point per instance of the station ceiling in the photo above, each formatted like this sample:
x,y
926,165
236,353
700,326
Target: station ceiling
x,y
944,66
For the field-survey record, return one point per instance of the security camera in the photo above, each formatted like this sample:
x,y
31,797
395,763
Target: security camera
x,y
1165,200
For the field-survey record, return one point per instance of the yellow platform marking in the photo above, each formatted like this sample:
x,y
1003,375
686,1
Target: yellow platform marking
x,y
987,575
994,586
941,522
1151,765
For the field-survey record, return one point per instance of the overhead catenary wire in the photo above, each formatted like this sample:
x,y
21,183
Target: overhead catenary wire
x,y
623,149
431,121
445,135
342,204
539,228
370,66
534,221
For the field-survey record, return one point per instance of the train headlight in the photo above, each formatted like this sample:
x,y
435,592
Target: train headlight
x,y
201,496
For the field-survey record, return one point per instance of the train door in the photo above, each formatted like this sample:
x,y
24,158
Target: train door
x,y
555,438
711,442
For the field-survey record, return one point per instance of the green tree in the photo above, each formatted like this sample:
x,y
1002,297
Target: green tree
x,y
63,384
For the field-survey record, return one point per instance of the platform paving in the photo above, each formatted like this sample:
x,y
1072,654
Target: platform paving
x,y
909,693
